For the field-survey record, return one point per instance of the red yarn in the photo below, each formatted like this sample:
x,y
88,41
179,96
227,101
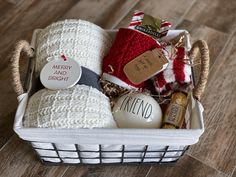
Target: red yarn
x,y
165,82
161,80
128,45
178,65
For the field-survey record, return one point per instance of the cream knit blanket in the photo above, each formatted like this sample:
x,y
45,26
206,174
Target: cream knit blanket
x,y
83,41
78,107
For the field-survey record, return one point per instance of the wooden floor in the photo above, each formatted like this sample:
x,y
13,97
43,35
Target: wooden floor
x,y
214,21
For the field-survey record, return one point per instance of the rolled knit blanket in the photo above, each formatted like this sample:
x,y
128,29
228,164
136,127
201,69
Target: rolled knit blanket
x,y
83,41
80,106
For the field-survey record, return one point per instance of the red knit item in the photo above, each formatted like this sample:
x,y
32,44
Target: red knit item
x,y
128,45
177,75
178,65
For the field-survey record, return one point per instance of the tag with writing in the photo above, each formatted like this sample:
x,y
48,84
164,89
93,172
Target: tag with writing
x,y
145,66
60,73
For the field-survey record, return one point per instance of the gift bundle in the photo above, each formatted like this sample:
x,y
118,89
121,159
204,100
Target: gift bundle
x,y
83,78
142,61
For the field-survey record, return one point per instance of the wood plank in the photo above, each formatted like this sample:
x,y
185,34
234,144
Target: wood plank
x,y
8,101
14,1
38,15
77,171
6,131
13,14
110,170
217,14
4,8
172,11
234,173
18,160
216,40
119,171
106,14
8,106
217,145
187,167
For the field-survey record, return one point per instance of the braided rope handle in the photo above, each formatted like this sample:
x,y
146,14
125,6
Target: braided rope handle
x,y
202,47
21,46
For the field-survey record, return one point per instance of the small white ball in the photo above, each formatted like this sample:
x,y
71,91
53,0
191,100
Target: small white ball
x,y
137,110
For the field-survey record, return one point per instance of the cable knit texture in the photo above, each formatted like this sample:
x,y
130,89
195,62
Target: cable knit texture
x,y
77,107
128,45
83,41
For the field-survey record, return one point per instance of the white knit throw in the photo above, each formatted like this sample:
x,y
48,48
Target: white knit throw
x,y
77,107
83,41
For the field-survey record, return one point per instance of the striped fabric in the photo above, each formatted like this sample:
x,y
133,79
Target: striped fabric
x,y
177,75
137,20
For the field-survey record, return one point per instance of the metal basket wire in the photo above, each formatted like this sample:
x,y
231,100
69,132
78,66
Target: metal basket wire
x,y
138,159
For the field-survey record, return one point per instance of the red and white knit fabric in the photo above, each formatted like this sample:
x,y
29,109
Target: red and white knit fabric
x,y
137,20
127,45
176,76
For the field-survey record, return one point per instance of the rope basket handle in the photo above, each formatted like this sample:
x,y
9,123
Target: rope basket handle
x,y
202,47
21,46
